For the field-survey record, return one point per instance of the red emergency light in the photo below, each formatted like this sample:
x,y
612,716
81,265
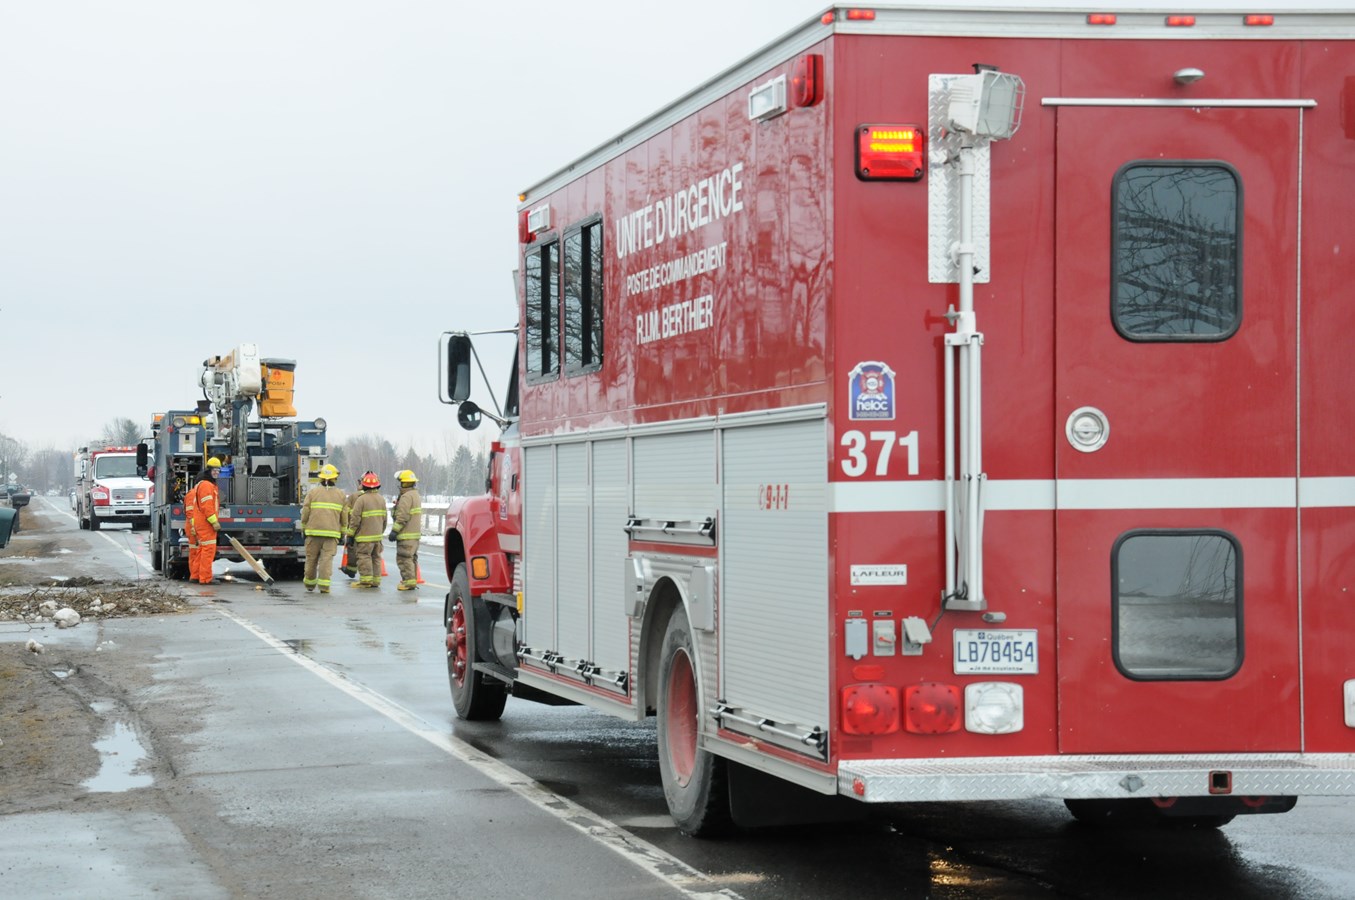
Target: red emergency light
x,y
806,83
890,152
870,709
1258,20
932,708
1180,21
1101,18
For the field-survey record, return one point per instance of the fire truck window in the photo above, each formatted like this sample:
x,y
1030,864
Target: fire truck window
x,y
1177,605
542,284
1176,251
583,299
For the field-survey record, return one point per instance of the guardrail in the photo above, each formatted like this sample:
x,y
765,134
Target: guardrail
x,y
434,520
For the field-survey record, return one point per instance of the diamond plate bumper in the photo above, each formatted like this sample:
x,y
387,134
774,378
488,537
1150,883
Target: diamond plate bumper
x,y
1097,777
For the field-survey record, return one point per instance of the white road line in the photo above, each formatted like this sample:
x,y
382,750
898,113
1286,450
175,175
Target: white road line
x,y
141,561
666,868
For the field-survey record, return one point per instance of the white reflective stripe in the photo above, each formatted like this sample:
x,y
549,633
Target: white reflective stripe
x,y
1178,493
886,496
1100,493
1326,492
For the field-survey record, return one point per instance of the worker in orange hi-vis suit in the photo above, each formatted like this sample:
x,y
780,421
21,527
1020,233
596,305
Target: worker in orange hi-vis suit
x,y
190,531
202,523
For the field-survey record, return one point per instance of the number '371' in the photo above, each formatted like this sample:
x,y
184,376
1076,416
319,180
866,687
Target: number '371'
x,y
859,451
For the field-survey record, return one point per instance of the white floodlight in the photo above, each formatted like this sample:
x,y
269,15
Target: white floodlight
x,y
987,104
767,101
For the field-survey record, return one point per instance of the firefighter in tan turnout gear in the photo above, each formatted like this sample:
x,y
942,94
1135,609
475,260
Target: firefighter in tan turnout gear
x,y
366,523
405,530
323,520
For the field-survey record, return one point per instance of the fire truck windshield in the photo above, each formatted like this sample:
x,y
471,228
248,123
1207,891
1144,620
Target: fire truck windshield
x,y
115,467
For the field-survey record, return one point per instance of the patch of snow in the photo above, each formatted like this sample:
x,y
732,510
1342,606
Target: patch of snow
x,y
66,618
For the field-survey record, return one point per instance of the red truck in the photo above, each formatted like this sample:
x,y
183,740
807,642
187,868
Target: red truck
x,y
943,404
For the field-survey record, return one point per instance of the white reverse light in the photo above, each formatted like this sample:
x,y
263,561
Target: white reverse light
x,y
994,707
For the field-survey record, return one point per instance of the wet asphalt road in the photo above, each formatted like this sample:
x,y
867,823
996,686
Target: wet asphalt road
x,y
305,747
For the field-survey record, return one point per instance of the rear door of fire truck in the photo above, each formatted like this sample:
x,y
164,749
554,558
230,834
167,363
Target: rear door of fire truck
x,y
1176,311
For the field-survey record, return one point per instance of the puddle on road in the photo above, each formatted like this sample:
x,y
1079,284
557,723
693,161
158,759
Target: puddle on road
x,y
299,645
120,752
372,640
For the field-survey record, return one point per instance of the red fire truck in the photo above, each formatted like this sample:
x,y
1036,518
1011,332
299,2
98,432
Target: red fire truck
x,y
943,405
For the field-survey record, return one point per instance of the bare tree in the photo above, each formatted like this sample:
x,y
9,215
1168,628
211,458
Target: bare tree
x,y
364,453
122,432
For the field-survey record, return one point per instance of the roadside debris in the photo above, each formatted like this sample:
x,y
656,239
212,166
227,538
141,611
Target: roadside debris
x,y
97,601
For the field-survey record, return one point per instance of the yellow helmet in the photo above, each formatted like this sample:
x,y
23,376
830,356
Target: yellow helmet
x,y
329,473
213,463
405,476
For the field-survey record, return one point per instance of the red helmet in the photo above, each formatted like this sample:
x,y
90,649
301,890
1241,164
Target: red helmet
x,y
369,480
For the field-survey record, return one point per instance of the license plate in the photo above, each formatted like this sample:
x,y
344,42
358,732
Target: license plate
x,y
996,651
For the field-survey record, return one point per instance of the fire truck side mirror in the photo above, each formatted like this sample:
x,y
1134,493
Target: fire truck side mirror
x,y
468,415
458,367
142,458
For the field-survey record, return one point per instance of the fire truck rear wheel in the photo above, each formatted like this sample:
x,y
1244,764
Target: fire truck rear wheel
x,y
477,697
695,781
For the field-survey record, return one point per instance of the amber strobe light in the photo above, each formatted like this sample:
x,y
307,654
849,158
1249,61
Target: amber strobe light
x,y
890,152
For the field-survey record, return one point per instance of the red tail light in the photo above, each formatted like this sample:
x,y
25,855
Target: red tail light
x,y
932,708
890,152
806,84
870,709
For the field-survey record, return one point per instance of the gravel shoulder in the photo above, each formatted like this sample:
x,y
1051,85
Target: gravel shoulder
x,y
49,687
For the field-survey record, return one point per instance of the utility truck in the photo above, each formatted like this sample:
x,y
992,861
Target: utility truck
x,y
269,462
942,404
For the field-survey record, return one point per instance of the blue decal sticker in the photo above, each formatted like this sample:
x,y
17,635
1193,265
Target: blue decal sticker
x,y
871,391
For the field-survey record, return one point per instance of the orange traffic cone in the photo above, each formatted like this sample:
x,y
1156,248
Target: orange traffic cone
x,y
349,570
418,574
383,566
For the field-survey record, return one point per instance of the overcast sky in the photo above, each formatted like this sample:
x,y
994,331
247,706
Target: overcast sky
x,y
332,180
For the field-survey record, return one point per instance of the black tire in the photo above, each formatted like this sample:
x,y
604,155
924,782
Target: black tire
x,y
84,523
93,521
175,571
477,697
695,781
